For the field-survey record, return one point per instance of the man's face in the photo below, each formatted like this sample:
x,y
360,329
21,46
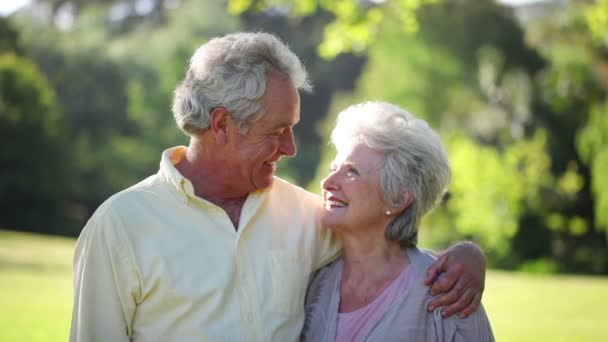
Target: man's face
x,y
257,152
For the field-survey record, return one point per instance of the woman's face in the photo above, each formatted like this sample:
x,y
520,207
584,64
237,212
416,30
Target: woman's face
x,y
351,192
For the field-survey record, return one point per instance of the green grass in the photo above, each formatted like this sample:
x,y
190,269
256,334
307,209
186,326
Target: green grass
x,y
35,287
525,307
36,297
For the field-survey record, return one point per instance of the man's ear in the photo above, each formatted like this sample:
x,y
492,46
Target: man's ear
x,y
218,123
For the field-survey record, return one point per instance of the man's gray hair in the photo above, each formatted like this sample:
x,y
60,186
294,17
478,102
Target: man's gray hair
x,y
415,161
231,72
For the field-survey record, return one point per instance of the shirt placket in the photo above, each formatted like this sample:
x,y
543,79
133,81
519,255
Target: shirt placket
x,y
248,292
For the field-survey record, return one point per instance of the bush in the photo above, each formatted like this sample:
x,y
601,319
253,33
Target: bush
x,y
34,168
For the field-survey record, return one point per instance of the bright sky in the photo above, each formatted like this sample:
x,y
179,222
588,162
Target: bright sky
x,y
9,6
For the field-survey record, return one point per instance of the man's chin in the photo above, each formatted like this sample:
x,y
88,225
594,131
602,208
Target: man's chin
x,y
264,183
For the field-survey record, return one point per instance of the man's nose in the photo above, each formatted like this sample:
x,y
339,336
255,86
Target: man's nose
x,y
287,143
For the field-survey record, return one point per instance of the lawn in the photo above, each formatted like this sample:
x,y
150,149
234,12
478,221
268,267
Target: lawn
x,y
35,287
35,297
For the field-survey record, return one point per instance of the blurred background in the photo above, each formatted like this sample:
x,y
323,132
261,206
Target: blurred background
x,y
517,89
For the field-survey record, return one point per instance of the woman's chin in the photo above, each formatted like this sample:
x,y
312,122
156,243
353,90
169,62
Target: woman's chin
x,y
330,222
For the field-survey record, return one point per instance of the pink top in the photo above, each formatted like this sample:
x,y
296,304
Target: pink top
x,y
354,325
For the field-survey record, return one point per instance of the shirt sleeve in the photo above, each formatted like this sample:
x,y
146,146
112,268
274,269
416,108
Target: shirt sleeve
x,y
329,248
105,282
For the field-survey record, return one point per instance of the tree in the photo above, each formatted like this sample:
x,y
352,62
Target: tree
x,y
114,93
573,91
515,120
9,37
34,167
126,14
355,23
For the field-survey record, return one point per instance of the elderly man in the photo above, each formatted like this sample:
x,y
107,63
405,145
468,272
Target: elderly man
x,y
214,246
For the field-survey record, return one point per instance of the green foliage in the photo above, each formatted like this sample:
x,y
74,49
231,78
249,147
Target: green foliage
x,y
34,167
355,24
114,92
575,87
9,37
490,188
597,19
509,119
390,76
91,90
21,80
93,98
127,14
593,148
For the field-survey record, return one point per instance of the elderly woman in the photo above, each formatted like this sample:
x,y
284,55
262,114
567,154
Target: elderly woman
x,y
390,170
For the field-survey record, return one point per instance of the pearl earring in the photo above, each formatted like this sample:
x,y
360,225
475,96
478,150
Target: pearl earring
x,y
388,213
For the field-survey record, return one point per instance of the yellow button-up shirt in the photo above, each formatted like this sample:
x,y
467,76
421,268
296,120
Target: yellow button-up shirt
x,y
157,263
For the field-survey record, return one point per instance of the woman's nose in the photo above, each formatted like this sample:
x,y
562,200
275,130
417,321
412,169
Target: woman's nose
x,y
329,182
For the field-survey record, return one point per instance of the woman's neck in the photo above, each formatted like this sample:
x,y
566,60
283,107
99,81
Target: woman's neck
x,y
371,263
372,257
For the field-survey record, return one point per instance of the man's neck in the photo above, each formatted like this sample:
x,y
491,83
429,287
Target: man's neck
x,y
233,209
199,168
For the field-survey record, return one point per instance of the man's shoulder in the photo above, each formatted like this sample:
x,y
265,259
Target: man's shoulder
x,y
285,188
138,194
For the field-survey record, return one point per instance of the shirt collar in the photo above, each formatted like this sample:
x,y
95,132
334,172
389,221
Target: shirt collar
x,y
169,173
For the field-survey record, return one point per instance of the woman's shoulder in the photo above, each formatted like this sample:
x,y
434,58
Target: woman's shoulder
x,y
326,274
322,285
321,304
421,259
476,327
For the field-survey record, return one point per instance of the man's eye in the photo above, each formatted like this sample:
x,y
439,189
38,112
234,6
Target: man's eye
x,y
275,132
351,172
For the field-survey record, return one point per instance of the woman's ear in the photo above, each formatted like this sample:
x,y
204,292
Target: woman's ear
x,y
406,201
218,123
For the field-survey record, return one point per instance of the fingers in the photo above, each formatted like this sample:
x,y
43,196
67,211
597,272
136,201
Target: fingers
x,y
448,298
446,280
435,270
471,307
458,281
465,299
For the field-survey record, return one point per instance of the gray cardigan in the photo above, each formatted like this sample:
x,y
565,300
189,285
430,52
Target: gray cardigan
x,y
407,319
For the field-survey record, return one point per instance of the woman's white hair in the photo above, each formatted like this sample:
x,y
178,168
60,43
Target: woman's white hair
x,y
415,161
231,72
